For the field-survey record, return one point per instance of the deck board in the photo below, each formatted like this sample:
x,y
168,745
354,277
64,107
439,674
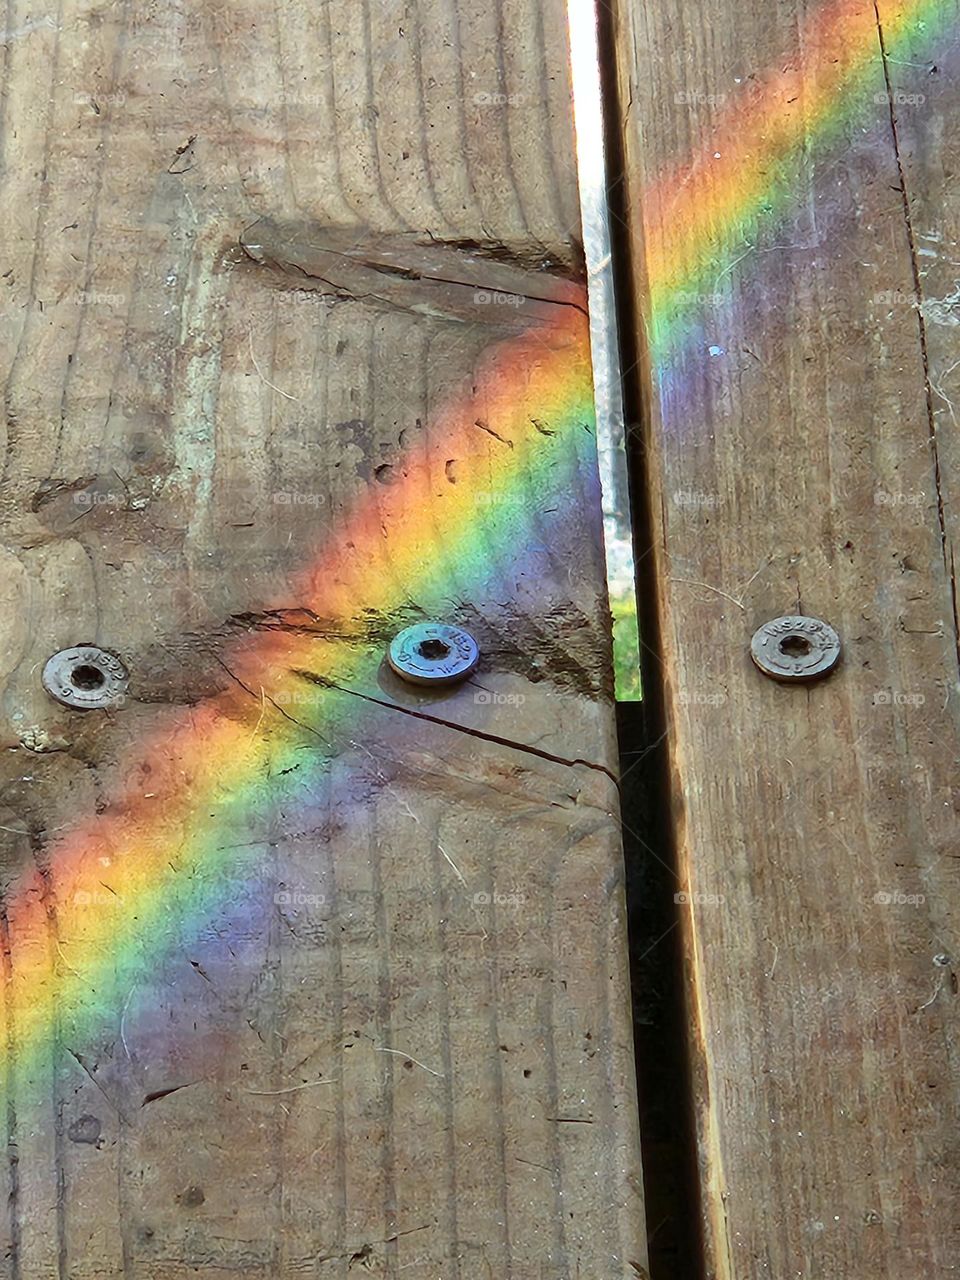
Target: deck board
x,y
306,972
793,456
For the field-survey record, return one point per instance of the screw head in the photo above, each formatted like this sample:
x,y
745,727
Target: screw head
x,y
433,653
86,678
795,648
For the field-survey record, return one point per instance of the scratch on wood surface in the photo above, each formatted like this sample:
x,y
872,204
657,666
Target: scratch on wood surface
x,y
155,1095
364,1251
479,422
459,873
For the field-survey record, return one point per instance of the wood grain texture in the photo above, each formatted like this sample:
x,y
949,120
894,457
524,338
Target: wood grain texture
x,y
800,446
385,1075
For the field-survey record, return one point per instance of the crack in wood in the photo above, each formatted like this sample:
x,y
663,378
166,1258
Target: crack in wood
x,y
458,280
945,548
452,724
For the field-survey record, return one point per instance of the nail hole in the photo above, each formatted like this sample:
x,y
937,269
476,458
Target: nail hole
x,y
434,650
87,677
795,646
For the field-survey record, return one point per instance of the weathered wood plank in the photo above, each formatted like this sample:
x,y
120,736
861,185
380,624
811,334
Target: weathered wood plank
x,y
792,466
305,971
920,88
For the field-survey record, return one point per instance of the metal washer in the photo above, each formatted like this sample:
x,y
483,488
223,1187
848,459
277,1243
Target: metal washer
x,y
86,678
795,648
433,653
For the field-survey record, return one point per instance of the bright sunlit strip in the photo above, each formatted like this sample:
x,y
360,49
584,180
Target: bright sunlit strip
x,y
611,448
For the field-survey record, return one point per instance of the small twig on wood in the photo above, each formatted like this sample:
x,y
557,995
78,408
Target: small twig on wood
x,y
273,387
410,1058
294,1088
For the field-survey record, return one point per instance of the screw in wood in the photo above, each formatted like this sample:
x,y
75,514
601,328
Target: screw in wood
x,y
795,648
86,678
433,653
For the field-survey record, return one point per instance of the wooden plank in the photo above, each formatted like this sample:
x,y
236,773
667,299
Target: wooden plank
x,y
306,971
923,115
792,464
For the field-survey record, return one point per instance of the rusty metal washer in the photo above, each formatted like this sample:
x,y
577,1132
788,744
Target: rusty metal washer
x,y
86,678
795,648
433,653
